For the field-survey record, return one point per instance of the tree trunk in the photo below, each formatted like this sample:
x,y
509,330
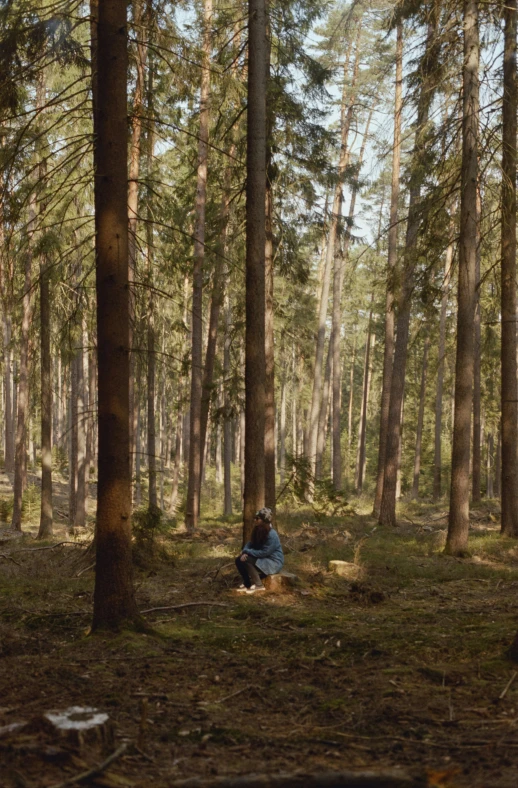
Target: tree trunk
x,y
498,464
387,514
351,404
8,386
80,507
324,411
173,500
227,423
23,387
151,350
360,463
114,599
420,419
489,465
192,508
269,383
509,390
255,362
458,523
388,354
437,491
133,198
476,453
46,514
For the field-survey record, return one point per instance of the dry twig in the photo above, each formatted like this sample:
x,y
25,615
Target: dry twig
x,y
79,778
8,558
185,604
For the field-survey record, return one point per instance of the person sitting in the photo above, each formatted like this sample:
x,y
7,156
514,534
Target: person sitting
x,y
261,556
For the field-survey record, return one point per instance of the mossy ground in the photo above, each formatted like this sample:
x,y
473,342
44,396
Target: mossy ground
x,y
404,666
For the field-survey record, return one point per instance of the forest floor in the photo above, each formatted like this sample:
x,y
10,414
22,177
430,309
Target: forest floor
x,y
402,665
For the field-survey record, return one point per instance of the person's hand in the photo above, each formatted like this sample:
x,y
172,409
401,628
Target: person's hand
x,y
243,557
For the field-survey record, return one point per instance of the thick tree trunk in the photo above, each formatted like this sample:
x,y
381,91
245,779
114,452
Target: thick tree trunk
x,y
420,419
437,491
387,514
388,354
114,599
509,390
458,523
192,508
255,362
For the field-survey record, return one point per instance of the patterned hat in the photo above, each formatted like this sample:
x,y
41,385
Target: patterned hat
x,y
264,514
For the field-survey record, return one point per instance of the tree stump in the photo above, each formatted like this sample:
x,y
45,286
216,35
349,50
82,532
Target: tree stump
x,y
345,569
80,727
281,582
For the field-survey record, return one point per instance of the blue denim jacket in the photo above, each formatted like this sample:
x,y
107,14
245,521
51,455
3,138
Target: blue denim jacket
x,y
270,558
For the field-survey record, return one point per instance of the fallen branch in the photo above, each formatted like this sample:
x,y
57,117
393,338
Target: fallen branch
x,y
78,778
85,569
8,558
393,778
186,604
52,547
219,569
504,691
222,700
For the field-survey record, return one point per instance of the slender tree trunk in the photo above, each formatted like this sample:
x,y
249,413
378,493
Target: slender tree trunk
x,y
498,464
227,423
255,362
8,386
46,515
72,464
324,411
437,491
173,500
387,514
80,507
133,198
458,523
195,437
509,390
420,419
363,416
269,385
114,599
23,387
489,466
151,350
388,354
138,452
476,453
351,404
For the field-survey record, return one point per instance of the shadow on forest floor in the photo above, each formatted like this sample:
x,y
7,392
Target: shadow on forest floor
x,y
405,665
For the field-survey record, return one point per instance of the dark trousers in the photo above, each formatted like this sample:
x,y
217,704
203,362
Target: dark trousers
x,y
249,572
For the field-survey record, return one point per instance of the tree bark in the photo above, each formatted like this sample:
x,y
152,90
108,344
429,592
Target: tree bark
x,y
227,422
437,491
8,386
509,389
255,362
387,514
150,350
23,386
458,523
388,353
489,466
420,418
477,349
114,599
324,411
46,514
360,463
192,509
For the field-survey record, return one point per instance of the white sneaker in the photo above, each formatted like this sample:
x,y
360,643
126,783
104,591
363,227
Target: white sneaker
x,y
253,589
241,589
